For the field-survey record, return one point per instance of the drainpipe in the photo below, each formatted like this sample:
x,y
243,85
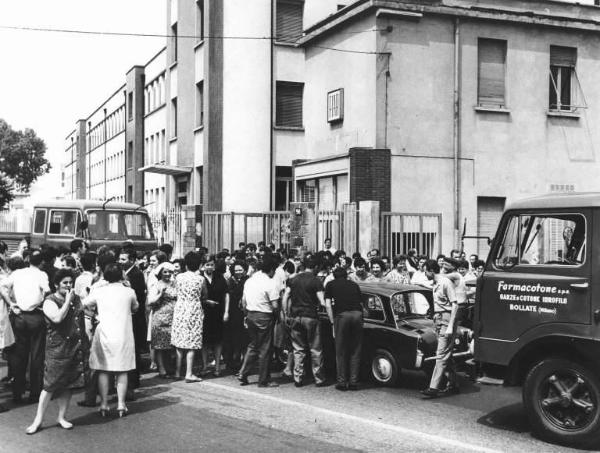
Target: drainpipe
x,y
456,129
271,114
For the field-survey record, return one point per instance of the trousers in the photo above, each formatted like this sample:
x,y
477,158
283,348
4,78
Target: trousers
x,y
260,331
348,327
29,328
444,364
306,337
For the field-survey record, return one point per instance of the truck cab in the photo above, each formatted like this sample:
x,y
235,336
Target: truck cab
x,y
537,318
58,222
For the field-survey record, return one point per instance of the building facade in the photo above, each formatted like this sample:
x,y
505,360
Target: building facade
x,y
474,104
446,107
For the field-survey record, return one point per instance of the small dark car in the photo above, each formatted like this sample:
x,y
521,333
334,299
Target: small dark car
x,y
398,332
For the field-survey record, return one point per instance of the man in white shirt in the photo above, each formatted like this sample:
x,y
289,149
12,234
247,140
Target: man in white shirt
x,y
24,291
260,300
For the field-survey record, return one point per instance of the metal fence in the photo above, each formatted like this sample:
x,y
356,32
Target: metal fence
x,y
400,232
227,229
339,226
168,228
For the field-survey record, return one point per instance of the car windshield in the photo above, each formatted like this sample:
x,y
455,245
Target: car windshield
x,y
119,225
405,304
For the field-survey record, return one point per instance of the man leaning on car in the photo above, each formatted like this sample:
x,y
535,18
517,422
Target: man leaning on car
x,y
348,327
446,320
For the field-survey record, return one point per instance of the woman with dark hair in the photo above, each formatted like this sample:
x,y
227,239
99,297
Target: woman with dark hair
x,y
178,266
236,337
67,347
188,316
216,312
113,349
162,300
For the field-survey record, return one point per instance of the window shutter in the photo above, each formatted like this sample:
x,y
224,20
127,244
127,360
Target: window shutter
x,y
563,56
289,104
289,20
492,62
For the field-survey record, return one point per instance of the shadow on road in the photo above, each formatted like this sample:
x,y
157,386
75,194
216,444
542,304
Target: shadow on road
x,y
135,407
507,418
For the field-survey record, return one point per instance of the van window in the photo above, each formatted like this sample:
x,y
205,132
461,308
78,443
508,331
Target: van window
x,y
63,223
373,308
549,239
39,223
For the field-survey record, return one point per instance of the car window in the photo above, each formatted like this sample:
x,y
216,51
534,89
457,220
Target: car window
x,y
549,239
409,303
373,308
63,223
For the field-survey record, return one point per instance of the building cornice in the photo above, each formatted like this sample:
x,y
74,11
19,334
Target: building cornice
x,y
548,13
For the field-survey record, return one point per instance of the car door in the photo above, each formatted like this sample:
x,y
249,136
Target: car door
x,y
537,275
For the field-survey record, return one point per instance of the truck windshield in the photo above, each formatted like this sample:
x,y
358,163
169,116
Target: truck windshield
x,y
119,225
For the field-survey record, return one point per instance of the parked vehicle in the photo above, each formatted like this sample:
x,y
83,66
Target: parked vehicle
x,y
58,222
398,332
537,320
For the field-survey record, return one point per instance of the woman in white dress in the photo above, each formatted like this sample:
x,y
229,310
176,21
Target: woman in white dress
x,y
113,348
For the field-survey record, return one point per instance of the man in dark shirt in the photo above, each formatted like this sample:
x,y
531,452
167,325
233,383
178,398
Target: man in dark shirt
x,y
343,301
305,291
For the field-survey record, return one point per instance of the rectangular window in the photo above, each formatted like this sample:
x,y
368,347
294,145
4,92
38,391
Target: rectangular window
x,y
289,104
63,223
562,73
553,239
173,120
199,20
307,191
491,73
173,44
130,155
335,105
199,104
289,20
130,105
40,221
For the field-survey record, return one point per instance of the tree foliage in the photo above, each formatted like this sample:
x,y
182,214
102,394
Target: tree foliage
x,y
22,161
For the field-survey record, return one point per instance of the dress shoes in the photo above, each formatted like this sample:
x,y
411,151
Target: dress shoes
x,y
430,393
341,387
269,384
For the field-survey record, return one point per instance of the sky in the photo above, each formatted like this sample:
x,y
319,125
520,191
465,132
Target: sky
x,y
50,80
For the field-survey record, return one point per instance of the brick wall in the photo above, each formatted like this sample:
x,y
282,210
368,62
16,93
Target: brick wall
x,y
370,176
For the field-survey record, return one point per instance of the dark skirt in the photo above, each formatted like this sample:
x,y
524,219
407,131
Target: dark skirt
x,y
212,331
64,367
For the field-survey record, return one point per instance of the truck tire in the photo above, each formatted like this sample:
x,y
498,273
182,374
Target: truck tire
x,y
384,368
562,401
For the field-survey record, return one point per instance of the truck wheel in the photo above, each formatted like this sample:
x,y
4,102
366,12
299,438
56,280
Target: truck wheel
x,y
562,401
384,368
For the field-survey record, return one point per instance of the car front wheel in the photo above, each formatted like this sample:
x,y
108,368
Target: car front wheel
x,y
562,400
384,368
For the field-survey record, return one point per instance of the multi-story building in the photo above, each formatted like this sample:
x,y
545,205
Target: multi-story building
x,y
447,107
451,107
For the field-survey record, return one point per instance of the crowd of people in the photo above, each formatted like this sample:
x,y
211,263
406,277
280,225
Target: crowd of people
x,y
77,318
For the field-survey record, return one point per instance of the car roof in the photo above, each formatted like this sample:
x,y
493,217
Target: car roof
x,y
87,204
558,200
389,289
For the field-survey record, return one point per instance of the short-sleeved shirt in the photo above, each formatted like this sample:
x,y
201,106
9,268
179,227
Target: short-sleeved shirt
x,y
303,293
29,286
346,295
443,295
259,291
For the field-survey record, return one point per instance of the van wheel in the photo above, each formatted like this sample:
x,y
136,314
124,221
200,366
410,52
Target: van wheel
x,y
384,368
562,400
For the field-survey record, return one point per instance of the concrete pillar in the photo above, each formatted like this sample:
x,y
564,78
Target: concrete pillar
x,y
303,222
368,226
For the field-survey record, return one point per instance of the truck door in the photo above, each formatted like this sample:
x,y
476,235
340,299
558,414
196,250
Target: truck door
x,y
538,274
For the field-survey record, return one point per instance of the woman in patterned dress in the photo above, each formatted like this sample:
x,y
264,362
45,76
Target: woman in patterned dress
x,y
67,347
162,300
186,334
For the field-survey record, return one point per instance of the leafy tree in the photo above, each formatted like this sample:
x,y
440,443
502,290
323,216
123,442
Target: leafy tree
x,y
22,161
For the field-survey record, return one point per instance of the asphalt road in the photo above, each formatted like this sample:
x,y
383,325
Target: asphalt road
x,y
219,415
